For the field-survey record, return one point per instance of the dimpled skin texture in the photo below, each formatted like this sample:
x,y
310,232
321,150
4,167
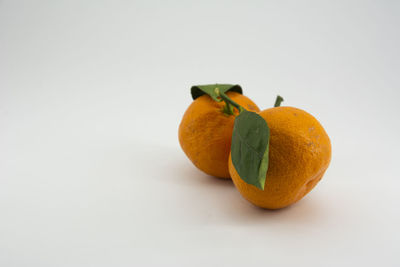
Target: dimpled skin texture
x,y
300,152
205,133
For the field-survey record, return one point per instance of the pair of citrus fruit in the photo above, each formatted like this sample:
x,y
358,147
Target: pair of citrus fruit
x,y
299,148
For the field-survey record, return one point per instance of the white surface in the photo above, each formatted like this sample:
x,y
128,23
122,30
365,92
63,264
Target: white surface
x,y
91,172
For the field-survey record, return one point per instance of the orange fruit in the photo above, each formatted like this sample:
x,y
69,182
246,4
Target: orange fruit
x,y
205,133
299,154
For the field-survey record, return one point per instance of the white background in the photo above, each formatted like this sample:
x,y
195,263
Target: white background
x,y
91,96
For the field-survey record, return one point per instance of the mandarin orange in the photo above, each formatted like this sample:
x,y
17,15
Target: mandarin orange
x,y
299,154
205,132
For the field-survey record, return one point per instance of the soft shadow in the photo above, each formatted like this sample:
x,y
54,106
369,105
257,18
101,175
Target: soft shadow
x,y
187,174
235,210
216,201
305,211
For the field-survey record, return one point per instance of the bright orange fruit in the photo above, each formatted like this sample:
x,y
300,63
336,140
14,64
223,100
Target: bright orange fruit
x,y
205,133
299,154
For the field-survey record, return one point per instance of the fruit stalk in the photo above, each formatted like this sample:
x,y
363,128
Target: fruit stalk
x,y
229,101
278,101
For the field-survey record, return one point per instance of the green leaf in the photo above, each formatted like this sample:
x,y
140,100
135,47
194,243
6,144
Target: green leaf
x,y
250,147
209,89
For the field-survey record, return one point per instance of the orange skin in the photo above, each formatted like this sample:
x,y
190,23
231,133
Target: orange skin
x,y
205,133
299,154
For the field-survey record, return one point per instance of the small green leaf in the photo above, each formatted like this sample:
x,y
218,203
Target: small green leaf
x,y
209,89
250,147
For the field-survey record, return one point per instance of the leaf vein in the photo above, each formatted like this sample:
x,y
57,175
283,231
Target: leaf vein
x,y
253,148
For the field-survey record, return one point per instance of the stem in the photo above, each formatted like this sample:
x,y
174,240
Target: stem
x,y
278,101
228,109
230,101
